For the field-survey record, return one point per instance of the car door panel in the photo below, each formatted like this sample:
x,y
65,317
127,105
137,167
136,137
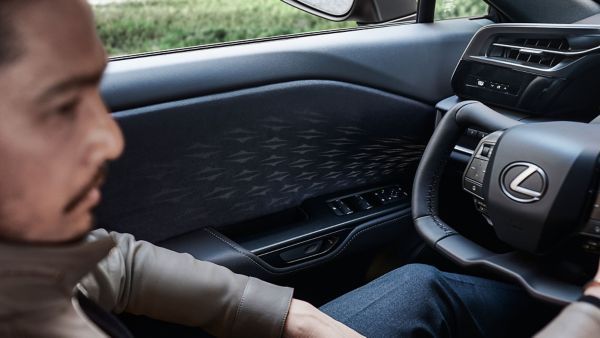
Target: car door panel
x,y
221,139
222,159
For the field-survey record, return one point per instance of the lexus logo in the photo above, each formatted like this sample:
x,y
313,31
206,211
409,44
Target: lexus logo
x,y
523,182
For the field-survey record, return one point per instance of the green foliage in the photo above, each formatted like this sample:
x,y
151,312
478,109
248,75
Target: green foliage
x,y
448,9
149,25
135,26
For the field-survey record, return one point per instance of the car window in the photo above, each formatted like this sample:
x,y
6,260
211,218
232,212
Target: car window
x,y
450,9
138,26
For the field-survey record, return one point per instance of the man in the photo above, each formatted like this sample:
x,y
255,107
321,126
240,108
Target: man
x,y
55,139
57,281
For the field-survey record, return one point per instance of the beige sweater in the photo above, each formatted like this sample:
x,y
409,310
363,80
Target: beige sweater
x,y
38,283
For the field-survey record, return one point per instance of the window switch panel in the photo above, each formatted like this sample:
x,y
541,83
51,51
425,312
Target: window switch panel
x,y
340,208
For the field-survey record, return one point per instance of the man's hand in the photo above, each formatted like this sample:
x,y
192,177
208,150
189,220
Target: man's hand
x,y
306,321
593,288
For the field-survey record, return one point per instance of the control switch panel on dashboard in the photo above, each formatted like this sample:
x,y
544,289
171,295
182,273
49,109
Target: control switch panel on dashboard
x,y
537,69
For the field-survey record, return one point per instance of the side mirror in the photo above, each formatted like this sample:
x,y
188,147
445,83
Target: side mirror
x,y
362,11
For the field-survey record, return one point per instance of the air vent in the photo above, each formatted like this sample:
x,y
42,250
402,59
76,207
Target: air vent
x,y
540,53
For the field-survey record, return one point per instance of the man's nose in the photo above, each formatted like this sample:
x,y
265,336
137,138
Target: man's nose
x,y
115,142
106,137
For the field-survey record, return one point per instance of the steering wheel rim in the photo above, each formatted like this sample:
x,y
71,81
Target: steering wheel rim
x,y
448,241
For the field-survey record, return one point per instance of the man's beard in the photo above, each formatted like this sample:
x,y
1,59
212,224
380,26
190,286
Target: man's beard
x,y
95,182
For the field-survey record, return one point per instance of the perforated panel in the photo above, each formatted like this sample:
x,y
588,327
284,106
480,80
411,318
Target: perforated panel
x,y
226,158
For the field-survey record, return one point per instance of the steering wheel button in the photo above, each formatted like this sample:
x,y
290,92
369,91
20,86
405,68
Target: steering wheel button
x,y
596,211
473,188
476,170
480,206
471,132
485,150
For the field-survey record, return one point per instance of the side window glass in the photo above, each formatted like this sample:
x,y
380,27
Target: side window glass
x,y
139,26
450,9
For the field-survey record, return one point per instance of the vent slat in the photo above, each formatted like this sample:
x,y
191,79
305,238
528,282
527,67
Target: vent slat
x,y
539,53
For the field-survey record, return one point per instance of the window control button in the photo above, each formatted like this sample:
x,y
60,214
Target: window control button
x,y
340,208
389,195
361,203
335,209
345,208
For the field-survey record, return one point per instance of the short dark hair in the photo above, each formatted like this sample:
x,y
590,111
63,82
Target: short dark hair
x,y
10,48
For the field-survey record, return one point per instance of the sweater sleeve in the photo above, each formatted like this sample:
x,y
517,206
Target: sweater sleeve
x,y
141,278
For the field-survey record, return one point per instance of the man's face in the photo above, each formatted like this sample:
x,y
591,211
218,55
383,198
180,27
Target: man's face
x,y
55,132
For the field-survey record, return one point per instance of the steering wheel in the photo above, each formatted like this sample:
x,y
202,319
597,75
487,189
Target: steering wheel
x,y
535,183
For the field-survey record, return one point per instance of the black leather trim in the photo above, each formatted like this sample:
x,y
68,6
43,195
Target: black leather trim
x,y
480,115
431,230
433,162
427,179
210,245
523,268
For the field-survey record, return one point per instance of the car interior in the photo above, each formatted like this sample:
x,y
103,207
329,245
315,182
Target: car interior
x,y
324,160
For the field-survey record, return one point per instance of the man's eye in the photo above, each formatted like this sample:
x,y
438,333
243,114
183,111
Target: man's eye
x,y
68,109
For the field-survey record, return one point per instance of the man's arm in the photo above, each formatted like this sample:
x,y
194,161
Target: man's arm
x,y
141,278
580,319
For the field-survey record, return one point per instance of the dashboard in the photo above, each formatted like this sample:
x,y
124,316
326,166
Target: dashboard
x,y
539,70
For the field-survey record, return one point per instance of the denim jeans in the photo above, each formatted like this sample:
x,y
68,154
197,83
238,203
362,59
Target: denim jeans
x,y
420,301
